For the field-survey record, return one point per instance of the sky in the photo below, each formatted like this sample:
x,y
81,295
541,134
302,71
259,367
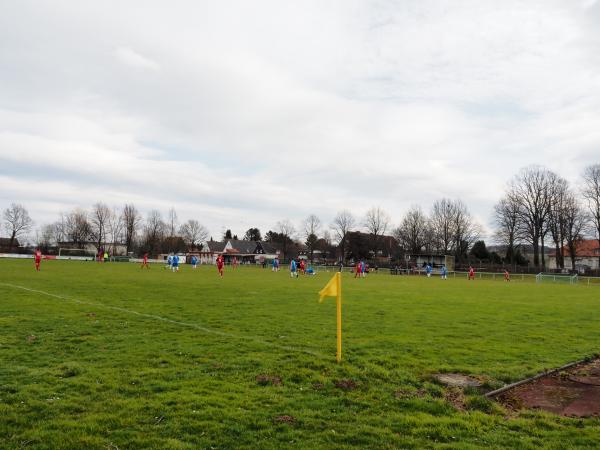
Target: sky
x,y
241,114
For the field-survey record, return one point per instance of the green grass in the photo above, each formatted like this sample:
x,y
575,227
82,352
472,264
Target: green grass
x,y
125,358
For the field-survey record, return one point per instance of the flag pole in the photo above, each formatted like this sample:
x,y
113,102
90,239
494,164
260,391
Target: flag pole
x,y
339,317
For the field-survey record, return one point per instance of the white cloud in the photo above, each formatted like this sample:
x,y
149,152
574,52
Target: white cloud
x,y
134,59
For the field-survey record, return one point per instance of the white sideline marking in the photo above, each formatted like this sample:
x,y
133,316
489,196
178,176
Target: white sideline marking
x,y
167,320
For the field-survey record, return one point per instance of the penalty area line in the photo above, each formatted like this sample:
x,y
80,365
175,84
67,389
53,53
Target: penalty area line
x,y
171,321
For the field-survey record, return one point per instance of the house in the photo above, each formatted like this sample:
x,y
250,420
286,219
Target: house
x,y
210,250
587,255
246,252
5,244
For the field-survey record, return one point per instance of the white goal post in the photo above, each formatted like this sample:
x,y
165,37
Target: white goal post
x,y
564,278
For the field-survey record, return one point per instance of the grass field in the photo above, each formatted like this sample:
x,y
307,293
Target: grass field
x,y
109,356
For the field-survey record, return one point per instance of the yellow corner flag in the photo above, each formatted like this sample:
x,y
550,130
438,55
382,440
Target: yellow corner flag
x,y
334,289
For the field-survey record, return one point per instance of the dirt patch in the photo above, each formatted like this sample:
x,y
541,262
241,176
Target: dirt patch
x,y
457,380
318,386
285,419
266,380
456,397
346,385
574,392
31,339
91,314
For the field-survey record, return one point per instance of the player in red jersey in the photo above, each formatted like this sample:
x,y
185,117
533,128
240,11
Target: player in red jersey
x,y
220,264
357,270
302,267
471,273
506,275
38,259
145,261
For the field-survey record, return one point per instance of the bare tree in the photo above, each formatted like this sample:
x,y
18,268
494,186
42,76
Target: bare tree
x,y
59,229
154,231
575,221
466,231
114,230
506,215
287,230
412,232
16,221
531,188
311,227
591,193
376,223
131,223
45,237
172,222
193,233
99,219
76,227
557,215
343,223
442,223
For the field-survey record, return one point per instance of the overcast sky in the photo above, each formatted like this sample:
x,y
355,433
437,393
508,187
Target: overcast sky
x,y
241,114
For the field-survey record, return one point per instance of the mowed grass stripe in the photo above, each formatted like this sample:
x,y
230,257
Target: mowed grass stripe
x,y
168,320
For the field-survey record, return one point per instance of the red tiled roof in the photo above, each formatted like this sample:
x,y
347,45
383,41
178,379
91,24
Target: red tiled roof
x,y
584,248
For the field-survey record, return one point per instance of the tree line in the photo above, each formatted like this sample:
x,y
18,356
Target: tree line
x,y
541,209
538,208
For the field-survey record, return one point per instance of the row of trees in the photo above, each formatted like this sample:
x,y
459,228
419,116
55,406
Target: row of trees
x,y
449,228
108,227
538,208
541,209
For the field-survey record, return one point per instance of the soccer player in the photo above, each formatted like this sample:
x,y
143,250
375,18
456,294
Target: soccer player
x,y
194,261
471,273
444,273
302,267
169,261
234,263
293,269
38,259
145,261
276,264
506,275
428,270
357,270
220,264
175,263
363,269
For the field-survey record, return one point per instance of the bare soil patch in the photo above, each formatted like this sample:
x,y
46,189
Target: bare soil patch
x,y
574,392
265,380
285,419
346,385
456,397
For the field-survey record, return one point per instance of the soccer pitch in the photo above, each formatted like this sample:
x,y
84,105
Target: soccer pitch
x,y
111,356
